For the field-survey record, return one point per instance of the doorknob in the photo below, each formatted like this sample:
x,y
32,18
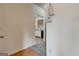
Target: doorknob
x,y
1,36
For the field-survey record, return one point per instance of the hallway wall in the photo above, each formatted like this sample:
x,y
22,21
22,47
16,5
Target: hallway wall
x,y
18,26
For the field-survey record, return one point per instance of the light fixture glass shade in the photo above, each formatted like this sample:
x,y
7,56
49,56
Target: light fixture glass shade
x,y
50,13
50,10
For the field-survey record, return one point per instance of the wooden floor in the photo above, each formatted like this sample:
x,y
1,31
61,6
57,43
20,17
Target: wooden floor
x,y
26,52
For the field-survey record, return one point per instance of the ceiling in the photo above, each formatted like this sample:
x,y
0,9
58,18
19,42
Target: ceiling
x,y
42,5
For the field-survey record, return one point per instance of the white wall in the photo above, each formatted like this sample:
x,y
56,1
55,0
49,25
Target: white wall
x,y
18,26
63,33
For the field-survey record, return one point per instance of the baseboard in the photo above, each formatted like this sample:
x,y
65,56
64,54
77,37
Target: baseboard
x,y
3,54
10,54
15,53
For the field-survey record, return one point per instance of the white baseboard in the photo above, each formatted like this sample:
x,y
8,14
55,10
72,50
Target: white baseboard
x,y
10,53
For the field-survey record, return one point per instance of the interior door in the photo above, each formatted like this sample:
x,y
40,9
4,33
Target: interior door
x,y
1,31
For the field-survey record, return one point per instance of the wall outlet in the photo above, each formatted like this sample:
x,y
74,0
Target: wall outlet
x,y
50,51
